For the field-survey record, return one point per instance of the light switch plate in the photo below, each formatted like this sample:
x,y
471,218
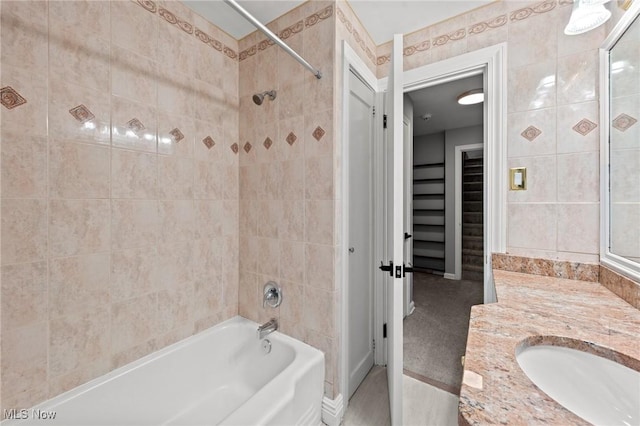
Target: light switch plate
x,y
518,178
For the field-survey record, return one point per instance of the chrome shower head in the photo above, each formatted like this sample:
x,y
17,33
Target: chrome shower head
x,y
258,98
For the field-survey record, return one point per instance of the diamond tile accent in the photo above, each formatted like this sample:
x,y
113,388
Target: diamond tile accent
x,y
318,133
177,135
208,142
10,98
584,126
530,133
82,113
291,138
267,143
235,148
623,122
247,147
135,125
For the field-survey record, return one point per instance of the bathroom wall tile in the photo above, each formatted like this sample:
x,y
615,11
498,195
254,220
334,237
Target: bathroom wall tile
x,y
133,174
133,76
248,256
176,50
319,266
319,93
206,61
292,223
24,365
268,215
448,38
268,257
207,129
248,295
542,182
293,179
24,35
176,93
79,170
290,98
78,284
83,60
320,124
525,50
134,223
78,339
231,218
325,344
579,228
319,221
81,19
24,295
248,182
319,178
178,143
625,136
487,26
210,102
249,217
532,86
292,258
625,240
175,260
292,138
24,166
120,358
24,231
209,218
207,183
78,227
134,28
133,321
579,177
570,140
578,77
29,119
624,166
79,376
545,143
176,221
625,79
175,177
174,309
63,96
133,273
318,311
229,174
207,298
207,259
133,125
532,226
568,45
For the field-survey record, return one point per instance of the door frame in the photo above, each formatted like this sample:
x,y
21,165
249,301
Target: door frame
x,y
353,63
492,62
459,150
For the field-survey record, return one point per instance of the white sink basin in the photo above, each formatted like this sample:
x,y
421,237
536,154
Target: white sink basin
x,y
599,390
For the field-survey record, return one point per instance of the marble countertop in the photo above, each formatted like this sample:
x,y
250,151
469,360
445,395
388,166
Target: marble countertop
x,y
533,309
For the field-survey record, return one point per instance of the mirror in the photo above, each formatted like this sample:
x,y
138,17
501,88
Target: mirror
x,y
620,60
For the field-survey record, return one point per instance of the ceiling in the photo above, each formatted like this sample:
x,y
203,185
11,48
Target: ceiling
x,y
381,18
441,102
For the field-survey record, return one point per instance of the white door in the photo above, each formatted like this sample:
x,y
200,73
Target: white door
x,y
360,285
395,230
407,136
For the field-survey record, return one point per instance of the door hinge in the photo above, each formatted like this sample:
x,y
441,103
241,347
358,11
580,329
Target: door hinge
x,y
374,344
374,110
384,330
384,121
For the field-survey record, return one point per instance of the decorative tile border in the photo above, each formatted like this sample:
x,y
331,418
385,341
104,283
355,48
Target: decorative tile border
x,y
621,286
296,28
247,147
177,135
530,133
584,126
356,35
234,147
135,125
546,267
208,142
10,98
187,27
623,122
291,138
477,28
267,143
82,113
318,133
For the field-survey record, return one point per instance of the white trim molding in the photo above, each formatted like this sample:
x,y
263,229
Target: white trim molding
x,y
332,410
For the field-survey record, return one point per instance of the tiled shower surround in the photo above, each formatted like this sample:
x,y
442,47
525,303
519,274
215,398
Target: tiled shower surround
x,y
146,197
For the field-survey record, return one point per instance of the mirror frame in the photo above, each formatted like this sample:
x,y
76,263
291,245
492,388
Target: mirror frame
x,y
615,262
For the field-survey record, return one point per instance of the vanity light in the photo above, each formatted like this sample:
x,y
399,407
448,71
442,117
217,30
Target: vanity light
x,y
471,97
587,15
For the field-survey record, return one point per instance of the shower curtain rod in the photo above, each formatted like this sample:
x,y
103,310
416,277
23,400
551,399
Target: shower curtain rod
x,y
273,37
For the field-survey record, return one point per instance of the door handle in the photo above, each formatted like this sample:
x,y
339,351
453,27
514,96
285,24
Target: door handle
x,y
406,270
387,268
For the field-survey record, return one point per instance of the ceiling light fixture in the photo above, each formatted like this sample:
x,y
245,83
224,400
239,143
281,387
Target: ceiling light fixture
x,y
587,15
471,97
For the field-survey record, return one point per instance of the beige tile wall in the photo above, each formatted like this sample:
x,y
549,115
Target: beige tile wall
x,y
119,225
552,118
287,193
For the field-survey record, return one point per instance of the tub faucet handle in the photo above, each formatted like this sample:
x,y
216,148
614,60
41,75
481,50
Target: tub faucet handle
x,y
272,295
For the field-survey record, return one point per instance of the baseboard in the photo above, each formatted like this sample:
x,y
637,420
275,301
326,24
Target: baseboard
x,y
449,276
332,410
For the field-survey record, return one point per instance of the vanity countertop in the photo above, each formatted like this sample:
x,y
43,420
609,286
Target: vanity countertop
x,y
494,388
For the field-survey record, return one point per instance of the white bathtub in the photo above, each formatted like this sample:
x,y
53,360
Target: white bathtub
x,y
219,376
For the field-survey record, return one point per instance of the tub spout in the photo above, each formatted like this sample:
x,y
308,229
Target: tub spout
x,y
267,328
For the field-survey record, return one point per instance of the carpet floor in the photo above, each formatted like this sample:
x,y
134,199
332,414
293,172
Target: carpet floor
x,y
435,335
